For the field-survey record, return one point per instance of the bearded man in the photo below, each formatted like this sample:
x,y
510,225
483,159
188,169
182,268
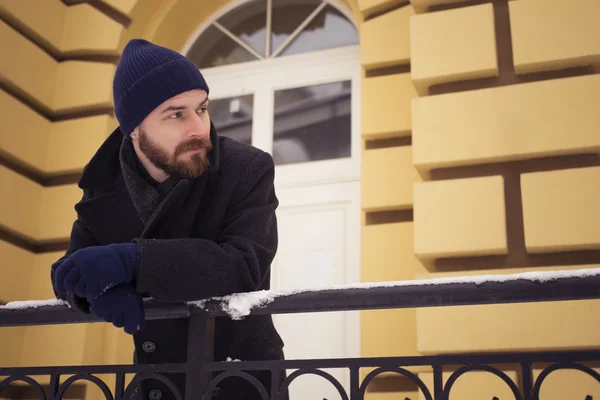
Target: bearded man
x,y
172,211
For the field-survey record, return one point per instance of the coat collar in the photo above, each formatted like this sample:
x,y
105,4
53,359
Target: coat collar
x,y
111,202
104,168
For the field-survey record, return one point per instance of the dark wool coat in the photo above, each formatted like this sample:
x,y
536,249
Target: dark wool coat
x,y
211,236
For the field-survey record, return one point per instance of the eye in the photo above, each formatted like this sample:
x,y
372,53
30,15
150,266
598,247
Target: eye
x,y
175,115
203,109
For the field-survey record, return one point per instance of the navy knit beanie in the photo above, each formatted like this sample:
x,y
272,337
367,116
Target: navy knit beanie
x,y
146,76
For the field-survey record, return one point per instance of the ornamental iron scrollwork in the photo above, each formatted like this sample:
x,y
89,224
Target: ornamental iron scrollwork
x,y
84,377
481,367
313,371
401,371
30,381
239,374
563,365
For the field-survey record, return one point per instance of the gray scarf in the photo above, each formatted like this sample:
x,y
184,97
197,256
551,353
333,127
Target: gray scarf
x,y
145,196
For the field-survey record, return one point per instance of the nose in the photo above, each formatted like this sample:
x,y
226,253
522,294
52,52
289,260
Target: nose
x,y
199,127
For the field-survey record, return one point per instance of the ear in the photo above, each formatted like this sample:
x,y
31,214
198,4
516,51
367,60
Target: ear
x,y
136,133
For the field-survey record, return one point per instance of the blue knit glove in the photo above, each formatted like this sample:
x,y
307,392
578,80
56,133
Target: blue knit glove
x,y
122,306
90,271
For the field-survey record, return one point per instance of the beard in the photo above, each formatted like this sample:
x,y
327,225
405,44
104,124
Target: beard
x,y
190,168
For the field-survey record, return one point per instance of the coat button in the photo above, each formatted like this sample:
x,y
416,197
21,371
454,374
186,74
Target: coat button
x,y
155,394
148,347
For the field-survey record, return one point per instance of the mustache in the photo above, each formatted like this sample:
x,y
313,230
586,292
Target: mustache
x,y
194,144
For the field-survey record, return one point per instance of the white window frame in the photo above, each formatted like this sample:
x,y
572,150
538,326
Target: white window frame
x,y
263,77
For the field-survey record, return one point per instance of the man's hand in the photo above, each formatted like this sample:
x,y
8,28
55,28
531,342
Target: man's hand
x,y
90,271
122,306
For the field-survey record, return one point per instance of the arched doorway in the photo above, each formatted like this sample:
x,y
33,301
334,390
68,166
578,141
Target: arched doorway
x,y
283,81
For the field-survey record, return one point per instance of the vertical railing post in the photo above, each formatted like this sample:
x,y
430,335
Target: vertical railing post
x,y
438,382
199,351
527,380
54,383
275,384
119,385
355,383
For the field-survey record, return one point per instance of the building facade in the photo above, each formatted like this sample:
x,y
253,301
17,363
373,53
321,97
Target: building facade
x,y
412,139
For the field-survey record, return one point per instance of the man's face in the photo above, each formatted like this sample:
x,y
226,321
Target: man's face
x,y
175,137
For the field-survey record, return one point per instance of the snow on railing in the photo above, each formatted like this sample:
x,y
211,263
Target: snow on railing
x,y
448,291
240,304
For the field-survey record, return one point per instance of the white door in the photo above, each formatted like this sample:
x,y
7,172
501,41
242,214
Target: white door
x,y
319,248
304,110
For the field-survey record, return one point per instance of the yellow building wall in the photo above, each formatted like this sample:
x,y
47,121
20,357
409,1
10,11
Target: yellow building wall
x,y
470,140
56,97
494,169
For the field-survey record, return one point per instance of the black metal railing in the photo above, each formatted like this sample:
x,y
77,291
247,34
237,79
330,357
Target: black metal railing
x,y
545,287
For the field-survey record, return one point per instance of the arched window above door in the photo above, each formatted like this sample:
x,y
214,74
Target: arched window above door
x,y
264,29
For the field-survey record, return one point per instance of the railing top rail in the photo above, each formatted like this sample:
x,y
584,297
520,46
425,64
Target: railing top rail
x,y
579,284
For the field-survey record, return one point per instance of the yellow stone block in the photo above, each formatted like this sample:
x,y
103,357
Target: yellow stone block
x,y
74,142
124,6
32,128
509,327
370,7
386,102
35,212
26,66
460,217
59,87
87,29
19,204
46,345
65,29
385,39
15,269
45,21
387,255
40,285
57,211
473,385
555,117
60,147
452,45
389,177
118,346
76,91
93,353
561,209
422,6
11,355
553,34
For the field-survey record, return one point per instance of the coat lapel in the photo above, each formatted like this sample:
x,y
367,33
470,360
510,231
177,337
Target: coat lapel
x,y
111,217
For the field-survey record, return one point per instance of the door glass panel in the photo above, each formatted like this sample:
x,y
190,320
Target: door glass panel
x,y
329,29
213,49
248,22
312,123
287,16
232,117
